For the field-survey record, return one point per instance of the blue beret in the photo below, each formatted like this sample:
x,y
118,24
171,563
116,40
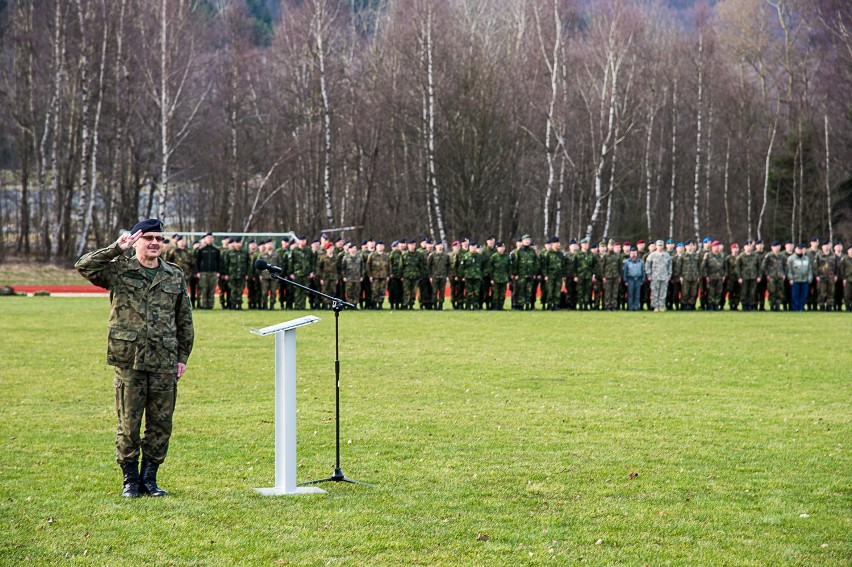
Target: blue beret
x,y
148,225
669,241
706,240
680,244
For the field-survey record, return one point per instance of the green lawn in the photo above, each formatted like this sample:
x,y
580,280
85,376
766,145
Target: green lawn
x,y
491,438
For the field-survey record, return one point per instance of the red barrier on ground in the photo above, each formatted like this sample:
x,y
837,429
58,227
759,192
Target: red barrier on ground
x,y
77,288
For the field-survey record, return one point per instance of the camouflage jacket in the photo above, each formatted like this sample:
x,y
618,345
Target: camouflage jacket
x,y
439,265
611,265
396,265
150,322
526,263
412,265
846,268
378,265
236,263
748,266
472,265
714,266
585,265
327,269
689,266
553,264
500,268
826,265
658,266
352,267
773,266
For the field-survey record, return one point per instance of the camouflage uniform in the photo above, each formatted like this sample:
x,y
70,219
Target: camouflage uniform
x,y
438,267
846,278
412,270
584,270
658,267
689,268
268,285
300,269
713,269
224,288
208,263
500,277
395,289
472,264
611,272
524,270
185,259
150,333
236,267
328,274
253,281
456,279
773,271
378,271
748,270
826,269
352,272
553,269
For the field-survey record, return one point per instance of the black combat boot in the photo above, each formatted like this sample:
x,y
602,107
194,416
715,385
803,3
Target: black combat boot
x,y
149,479
131,479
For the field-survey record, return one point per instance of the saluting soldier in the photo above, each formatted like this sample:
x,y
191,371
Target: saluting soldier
x,y
773,269
378,272
150,340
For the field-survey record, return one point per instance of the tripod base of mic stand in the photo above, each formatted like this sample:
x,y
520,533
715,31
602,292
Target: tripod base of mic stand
x,y
338,476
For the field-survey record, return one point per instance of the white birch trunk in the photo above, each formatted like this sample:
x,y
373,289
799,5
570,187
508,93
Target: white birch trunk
x,y
828,178
766,179
651,117
318,22
433,181
598,187
165,116
725,189
552,66
674,159
85,95
696,184
611,189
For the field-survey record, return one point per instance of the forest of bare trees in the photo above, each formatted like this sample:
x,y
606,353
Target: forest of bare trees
x,y
597,118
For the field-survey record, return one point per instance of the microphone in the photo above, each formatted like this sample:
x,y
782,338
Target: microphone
x,y
262,264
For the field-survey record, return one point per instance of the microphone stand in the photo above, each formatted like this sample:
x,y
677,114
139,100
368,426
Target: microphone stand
x,y
337,305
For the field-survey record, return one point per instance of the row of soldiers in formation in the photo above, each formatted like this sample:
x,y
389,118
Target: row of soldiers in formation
x,y
606,275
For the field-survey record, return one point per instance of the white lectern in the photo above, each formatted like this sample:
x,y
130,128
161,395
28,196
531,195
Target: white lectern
x,y
285,407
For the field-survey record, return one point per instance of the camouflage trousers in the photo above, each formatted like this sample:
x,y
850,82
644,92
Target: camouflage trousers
x,y
268,292
775,287
206,288
471,287
584,292
715,293
147,394
253,284
748,292
498,295
379,287
610,293
439,287
300,295
847,295
353,291
689,292
554,290
409,291
825,296
457,292
659,291
236,287
524,292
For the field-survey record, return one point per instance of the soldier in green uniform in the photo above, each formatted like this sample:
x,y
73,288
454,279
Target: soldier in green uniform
x,y
825,270
706,250
789,250
426,248
714,269
314,254
412,270
732,286
438,268
268,285
208,264
328,274
499,276
236,267
300,271
570,299
688,267
838,284
253,281
584,269
472,269
773,270
553,270
395,290
747,273
353,273
224,289
846,278
378,272
485,291
150,340
456,279
761,282
285,291
181,256
598,252
611,276
813,287
642,252
524,271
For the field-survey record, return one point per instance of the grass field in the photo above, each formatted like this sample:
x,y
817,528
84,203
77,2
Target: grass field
x,y
491,439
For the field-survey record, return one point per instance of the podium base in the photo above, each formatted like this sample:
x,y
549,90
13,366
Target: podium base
x,y
283,492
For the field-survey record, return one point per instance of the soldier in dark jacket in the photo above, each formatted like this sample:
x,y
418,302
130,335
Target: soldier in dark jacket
x,y
150,339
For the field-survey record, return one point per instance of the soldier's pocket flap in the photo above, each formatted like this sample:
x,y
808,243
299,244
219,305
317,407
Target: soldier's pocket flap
x,y
170,342
171,288
134,281
122,335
